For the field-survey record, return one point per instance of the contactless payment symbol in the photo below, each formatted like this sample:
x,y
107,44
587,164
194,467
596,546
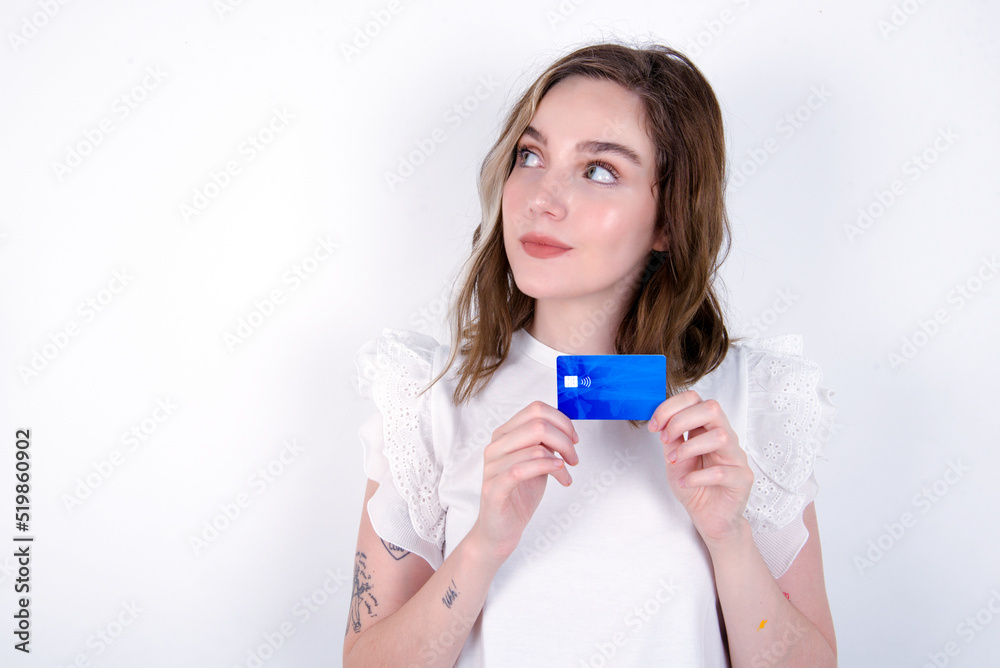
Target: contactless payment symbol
x,y
610,387
576,381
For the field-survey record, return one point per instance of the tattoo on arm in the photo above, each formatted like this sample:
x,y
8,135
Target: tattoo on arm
x,y
361,594
450,595
396,551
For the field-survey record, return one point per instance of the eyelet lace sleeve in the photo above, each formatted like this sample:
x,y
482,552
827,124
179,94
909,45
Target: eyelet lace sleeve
x,y
789,421
399,449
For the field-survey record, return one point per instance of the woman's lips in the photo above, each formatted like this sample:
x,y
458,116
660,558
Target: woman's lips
x,y
542,250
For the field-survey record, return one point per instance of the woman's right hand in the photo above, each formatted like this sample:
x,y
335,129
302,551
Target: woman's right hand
x,y
516,466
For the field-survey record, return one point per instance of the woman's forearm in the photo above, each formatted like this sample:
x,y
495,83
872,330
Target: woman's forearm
x,y
431,628
749,595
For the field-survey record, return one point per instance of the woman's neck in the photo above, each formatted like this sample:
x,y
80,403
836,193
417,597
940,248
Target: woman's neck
x,y
575,329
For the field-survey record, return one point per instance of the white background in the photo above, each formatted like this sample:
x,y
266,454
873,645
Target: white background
x,y
894,76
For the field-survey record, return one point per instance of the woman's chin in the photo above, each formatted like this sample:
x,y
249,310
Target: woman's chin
x,y
545,291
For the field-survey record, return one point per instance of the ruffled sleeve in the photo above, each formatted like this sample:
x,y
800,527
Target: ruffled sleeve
x,y
789,421
398,446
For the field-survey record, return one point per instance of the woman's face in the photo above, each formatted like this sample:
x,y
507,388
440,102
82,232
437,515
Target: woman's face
x,y
584,178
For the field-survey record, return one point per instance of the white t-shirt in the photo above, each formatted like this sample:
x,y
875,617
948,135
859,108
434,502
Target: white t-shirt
x,y
610,570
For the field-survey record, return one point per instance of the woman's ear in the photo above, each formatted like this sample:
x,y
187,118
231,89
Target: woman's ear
x,y
662,243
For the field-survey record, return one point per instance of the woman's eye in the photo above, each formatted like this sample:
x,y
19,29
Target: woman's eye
x,y
524,155
601,174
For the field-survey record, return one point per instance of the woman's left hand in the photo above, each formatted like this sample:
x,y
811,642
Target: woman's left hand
x,y
708,472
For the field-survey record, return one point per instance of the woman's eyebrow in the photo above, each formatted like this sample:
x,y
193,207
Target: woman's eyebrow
x,y
592,146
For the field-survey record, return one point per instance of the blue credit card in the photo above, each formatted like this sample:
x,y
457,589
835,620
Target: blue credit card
x,y
610,387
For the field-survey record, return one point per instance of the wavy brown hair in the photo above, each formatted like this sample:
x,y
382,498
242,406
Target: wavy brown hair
x,y
674,310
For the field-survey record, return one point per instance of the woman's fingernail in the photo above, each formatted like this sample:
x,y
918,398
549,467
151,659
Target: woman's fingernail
x,y
672,457
652,424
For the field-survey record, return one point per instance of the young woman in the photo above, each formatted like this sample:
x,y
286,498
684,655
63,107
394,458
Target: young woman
x,y
690,541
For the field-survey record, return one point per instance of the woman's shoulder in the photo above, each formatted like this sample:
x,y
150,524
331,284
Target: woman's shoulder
x,y
787,343
784,394
783,381
393,369
789,420
397,354
776,362
402,341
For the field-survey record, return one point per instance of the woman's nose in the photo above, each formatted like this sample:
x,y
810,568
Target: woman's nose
x,y
548,195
